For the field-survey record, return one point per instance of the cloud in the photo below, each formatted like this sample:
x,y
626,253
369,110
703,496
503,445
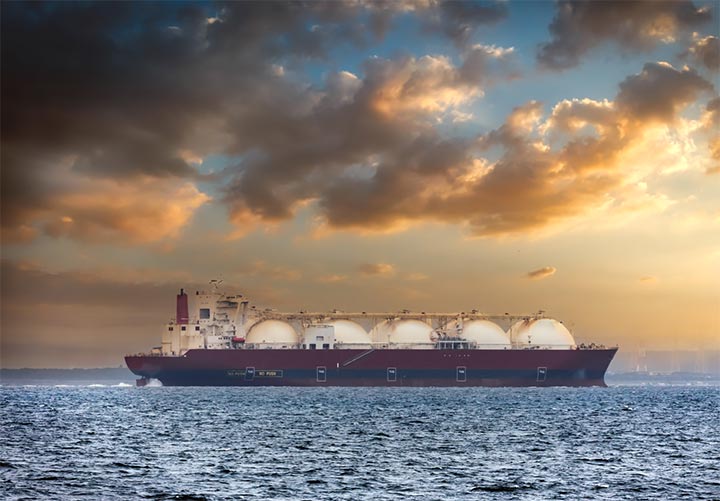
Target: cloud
x,y
459,20
376,269
712,127
415,277
361,149
332,278
648,279
263,269
705,50
113,92
544,272
147,210
550,171
310,144
578,27
659,91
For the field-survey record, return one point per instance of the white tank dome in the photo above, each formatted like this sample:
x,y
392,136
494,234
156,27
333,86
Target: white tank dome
x,y
514,330
272,332
410,333
349,332
486,334
541,332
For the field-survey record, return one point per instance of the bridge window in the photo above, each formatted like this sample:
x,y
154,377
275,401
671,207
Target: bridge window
x,y
204,313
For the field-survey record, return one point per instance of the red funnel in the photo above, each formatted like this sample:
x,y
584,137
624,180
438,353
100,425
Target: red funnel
x,y
182,308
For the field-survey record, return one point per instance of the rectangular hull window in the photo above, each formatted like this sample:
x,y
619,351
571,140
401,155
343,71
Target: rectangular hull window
x,y
461,375
541,374
392,374
321,375
249,373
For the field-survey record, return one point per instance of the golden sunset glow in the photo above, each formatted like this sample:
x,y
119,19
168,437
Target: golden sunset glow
x,y
518,157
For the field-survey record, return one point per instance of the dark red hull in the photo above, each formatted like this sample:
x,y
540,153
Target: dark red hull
x,y
376,367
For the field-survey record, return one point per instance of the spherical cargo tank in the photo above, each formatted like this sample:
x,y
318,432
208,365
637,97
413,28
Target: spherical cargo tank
x,y
414,334
485,334
272,333
349,332
541,333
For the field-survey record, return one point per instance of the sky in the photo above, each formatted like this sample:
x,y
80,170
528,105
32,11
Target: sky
x,y
500,156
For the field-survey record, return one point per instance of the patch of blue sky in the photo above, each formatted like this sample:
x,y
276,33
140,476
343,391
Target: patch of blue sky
x,y
215,171
525,28
217,163
161,16
405,38
597,78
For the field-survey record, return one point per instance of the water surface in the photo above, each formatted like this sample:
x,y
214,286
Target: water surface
x,y
109,442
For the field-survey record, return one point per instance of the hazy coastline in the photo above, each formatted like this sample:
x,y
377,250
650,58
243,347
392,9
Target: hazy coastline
x,y
113,376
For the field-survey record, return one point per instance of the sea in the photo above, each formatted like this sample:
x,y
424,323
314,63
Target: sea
x,y
111,440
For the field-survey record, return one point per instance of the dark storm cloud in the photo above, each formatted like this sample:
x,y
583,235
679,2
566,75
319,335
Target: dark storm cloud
x,y
105,106
398,189
73,83
706,51
123,85
459,20
579,26
438,180
310,140
123,90
659,91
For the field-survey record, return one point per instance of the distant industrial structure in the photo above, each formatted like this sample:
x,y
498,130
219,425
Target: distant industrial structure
x,y
666,361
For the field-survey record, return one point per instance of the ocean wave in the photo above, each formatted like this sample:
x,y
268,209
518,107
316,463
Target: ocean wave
x,y
423,443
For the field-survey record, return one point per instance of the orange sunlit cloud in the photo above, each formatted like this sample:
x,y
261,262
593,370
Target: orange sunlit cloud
x,y
380,269
540,273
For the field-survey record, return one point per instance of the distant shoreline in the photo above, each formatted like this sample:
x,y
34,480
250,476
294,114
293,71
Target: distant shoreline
x,y
115,375
46,376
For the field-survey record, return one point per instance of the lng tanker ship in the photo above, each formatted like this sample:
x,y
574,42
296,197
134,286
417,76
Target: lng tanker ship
x,y
222,340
